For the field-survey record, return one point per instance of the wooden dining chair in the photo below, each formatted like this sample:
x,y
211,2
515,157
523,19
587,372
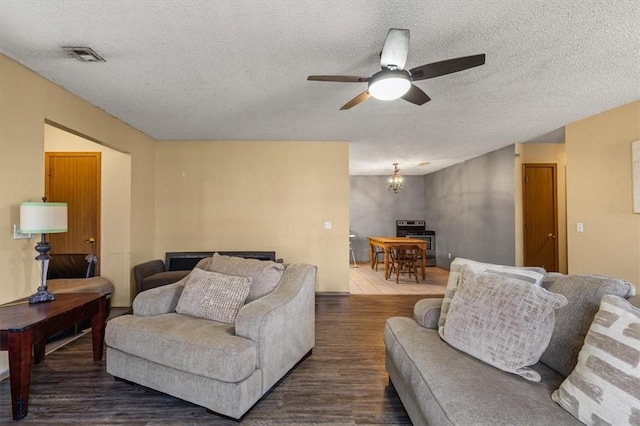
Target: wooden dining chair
x,y
405,258
377,253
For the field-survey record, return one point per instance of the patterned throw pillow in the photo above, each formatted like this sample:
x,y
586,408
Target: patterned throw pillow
x,y
265,273
604,388
531,275
213,296
503,321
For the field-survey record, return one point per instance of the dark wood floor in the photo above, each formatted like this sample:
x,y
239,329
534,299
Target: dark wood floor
x,y
343,382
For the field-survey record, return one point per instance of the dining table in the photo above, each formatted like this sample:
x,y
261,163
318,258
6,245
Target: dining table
x,y
387,243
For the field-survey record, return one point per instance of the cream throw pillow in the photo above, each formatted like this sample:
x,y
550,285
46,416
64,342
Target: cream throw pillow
x,y
604,388
213,296
503,321
530,275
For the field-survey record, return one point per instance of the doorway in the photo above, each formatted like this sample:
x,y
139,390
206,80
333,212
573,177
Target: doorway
x,y
114,231
540,216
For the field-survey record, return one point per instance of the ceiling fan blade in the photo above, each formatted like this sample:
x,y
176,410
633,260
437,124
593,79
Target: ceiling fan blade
x,y
415,95
338,78
396,49
436,69
357,100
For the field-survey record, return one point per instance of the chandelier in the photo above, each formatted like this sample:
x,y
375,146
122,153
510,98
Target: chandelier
x,y
395,182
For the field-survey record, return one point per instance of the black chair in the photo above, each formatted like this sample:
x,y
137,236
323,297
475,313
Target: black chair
x,y
72,265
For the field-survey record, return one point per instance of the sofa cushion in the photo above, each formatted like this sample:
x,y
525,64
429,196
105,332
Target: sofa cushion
x,y
503,321
193,345
532,275
266,274
448,387
604,388
584,293
213,296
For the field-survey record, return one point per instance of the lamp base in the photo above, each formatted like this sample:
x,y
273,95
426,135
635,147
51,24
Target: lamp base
x,y
41,296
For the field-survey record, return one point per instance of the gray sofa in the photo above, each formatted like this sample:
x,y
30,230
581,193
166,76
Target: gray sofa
x,y
439,385
226,368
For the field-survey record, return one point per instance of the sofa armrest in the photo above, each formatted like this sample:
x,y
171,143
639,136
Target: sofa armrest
x,y
282,323
146,269
427,312
159,300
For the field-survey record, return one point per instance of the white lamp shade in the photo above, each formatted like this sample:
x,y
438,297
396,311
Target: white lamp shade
x,y
43,218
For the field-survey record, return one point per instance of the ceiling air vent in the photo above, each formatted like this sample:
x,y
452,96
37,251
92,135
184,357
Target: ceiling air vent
x,y
84,54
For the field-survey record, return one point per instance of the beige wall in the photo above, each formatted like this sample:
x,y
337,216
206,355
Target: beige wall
x,y
550,153
599,194
115,228
26,101
257,196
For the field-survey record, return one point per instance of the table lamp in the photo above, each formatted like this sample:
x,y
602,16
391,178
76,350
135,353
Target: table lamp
x,y
43,218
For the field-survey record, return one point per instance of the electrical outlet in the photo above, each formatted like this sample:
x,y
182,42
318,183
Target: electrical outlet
x,y
449,255
17,235
579,227
328,224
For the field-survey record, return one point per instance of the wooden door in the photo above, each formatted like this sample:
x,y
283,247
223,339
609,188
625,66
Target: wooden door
x,y
540,215
74,178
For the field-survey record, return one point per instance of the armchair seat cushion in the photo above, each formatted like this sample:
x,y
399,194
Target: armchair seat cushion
x,y
81,285
193,345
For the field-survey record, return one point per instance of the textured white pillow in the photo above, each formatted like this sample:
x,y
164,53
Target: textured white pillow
x,y
530,275
503,321
604,388
213,296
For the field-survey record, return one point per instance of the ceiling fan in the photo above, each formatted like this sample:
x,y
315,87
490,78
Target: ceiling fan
x,y
394,81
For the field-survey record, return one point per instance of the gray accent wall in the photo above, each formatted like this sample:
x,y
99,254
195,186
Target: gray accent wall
x,y
374,210
472,209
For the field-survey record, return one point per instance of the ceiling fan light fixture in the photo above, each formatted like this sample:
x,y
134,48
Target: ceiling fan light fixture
x,y
389,85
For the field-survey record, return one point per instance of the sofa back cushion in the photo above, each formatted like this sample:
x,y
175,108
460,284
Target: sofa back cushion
x,y
265,274
584,293
530,275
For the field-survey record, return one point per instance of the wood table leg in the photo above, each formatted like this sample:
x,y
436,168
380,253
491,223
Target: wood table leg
x,y
38,352
386,263
97,328
20,344
371,254
423,264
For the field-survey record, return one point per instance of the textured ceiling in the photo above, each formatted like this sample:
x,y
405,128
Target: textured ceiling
x,y
236,70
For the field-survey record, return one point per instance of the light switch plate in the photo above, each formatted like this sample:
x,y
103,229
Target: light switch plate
x,y
17,235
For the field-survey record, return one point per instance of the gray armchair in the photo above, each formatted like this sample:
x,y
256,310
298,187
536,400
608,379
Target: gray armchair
x,y
226,368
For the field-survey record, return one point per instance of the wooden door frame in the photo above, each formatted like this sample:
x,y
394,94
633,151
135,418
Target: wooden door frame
x,y
98,155
554,168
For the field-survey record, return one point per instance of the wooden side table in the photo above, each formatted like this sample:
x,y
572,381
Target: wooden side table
x,y
24,326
